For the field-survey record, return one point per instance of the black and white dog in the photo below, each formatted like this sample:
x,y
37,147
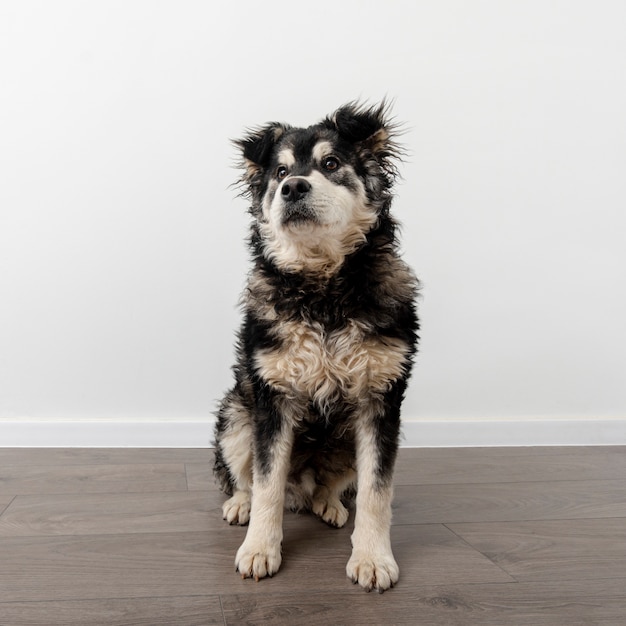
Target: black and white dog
x,y
327,341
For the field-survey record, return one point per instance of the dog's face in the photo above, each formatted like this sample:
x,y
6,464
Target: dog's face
x,y
316,192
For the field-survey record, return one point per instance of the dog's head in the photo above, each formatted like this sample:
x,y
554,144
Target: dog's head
x,y
317,192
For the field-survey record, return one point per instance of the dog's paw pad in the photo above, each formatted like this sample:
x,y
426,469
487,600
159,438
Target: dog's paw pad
x,y
236,510
378,572
257,563
332,511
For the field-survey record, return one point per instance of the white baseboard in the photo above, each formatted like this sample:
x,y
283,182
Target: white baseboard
x,y
196,433
514,432
106,433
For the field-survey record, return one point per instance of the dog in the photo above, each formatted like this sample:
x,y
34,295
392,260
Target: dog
x,y
327,341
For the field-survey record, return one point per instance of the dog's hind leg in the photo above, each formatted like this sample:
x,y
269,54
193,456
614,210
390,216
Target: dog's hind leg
x,y
327,499
260,553
234,442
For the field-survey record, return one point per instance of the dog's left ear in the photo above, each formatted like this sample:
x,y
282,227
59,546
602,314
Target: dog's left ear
x,y
370,127
372,131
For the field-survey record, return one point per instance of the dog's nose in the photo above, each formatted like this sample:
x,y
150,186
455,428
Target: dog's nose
x,y
294,188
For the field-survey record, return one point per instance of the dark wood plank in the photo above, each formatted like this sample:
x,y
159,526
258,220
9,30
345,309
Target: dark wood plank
x,y
428,504
110,513
429,554
553,550
579,603
27,457
43,479
200,476
161,611
480,465
111,566
512,451
94,514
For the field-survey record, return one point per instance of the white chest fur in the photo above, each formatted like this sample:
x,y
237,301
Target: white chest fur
x,y
347,362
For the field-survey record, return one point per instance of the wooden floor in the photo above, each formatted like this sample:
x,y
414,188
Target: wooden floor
x,y
495,536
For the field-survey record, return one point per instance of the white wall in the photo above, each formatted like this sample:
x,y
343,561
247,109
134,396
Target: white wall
x,y
121,243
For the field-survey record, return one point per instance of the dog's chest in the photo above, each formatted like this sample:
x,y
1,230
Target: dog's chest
x,y
347,362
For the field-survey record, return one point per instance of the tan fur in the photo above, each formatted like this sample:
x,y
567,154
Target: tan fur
x,y
319,365
236,445
285,157
258,297
327,499
321,150
236,510
237,451
378,141
251,169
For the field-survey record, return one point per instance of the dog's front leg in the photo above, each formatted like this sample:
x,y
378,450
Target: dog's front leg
x,y
260,553
372,563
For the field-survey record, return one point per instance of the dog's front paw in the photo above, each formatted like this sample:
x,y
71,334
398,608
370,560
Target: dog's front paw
x,y
373,571
257,561
236,510
331,510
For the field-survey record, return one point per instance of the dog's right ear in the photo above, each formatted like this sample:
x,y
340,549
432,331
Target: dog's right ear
x,y
256,149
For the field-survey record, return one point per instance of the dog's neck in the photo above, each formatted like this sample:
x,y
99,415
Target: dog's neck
x,y
321,270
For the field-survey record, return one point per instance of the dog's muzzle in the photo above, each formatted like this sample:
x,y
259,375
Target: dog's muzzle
x,y
294,193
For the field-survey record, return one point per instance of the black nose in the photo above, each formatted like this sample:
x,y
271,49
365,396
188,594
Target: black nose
x,y
295,188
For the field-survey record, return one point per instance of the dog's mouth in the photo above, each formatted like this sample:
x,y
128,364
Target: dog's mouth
x,y
297,213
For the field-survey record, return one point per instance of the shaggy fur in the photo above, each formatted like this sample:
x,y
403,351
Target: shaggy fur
x,y
327,341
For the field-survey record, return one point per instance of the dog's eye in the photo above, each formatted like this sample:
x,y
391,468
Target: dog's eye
x,y
330,164
281,172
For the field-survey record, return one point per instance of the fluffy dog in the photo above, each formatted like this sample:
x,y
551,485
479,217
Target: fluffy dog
x,y
327,341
